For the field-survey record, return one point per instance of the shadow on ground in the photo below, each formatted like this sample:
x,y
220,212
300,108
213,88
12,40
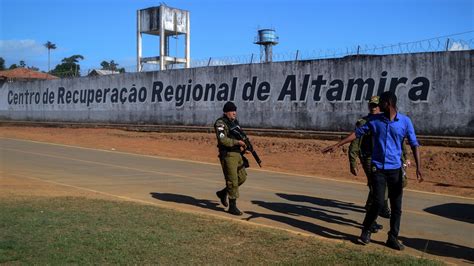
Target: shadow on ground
x,y
440,248
457,211
289,213
288,209
202,203
336,215
307,226
311,212
347,206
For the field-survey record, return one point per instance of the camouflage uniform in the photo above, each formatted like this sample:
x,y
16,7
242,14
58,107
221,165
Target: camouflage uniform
x,y
230,156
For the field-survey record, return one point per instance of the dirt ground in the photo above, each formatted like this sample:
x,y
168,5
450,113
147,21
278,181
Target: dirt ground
x,y
445,170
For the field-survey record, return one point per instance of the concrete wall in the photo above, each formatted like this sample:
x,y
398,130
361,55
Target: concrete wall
x,y
434,89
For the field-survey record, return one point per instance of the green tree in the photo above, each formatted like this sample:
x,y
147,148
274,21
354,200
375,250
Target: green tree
x,y
50,46
69,67
22,63
105,65
111,66
2,63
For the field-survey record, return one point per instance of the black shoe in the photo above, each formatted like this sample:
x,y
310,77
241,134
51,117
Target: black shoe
x,y
392,242
222,195
364,238
233,208
385,212
376,227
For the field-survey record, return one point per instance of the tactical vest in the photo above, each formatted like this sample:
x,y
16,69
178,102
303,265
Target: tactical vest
x,y
229,124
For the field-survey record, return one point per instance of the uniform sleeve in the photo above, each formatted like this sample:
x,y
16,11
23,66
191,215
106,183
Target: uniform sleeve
x,y
354,147
222,134
411,133
353,152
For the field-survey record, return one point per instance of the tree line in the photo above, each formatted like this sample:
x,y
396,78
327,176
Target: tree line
x,y
69,66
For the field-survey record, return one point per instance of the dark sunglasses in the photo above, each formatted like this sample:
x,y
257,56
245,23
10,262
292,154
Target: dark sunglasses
x,y
373,105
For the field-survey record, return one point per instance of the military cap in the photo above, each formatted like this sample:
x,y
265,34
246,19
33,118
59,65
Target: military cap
x,y
374,100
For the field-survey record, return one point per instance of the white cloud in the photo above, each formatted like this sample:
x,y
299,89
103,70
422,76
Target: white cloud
x,y
30,51
21,48
458,46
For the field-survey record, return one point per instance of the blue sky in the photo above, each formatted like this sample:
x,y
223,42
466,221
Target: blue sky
x,y
106,29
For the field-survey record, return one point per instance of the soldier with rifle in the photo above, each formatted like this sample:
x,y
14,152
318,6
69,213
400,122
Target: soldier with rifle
x,y
232,143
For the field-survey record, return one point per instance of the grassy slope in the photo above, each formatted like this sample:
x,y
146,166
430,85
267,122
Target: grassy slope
x,y
58,230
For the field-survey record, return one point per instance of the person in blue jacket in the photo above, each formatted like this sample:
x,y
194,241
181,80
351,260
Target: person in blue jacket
x,y
388,131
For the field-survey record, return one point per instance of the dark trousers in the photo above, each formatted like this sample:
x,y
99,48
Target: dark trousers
x,y
393,181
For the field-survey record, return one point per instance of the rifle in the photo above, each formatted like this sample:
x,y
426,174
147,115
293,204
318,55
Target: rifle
x,y
240,135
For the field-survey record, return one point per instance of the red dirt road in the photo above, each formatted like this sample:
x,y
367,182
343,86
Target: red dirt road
x,y
446,170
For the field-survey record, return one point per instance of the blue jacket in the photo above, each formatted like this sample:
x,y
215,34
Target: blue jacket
x,y
387,139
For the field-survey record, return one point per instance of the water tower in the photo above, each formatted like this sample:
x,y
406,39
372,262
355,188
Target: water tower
x,y
165,22
266,38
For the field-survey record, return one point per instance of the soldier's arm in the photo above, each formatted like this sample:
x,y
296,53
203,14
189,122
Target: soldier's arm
x,y
222,135
353,153
354,149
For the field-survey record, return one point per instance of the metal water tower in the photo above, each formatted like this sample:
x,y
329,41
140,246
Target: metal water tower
x,y
165,22
266,38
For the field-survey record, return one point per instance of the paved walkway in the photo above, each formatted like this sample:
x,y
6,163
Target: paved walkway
x,y
432,224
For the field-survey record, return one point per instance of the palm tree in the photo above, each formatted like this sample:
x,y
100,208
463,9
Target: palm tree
x,y
49,45
72,62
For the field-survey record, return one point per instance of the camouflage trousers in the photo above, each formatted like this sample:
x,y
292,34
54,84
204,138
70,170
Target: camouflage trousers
x,y
234,173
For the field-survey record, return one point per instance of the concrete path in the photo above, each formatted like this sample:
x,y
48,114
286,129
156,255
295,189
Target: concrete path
x,y
432,224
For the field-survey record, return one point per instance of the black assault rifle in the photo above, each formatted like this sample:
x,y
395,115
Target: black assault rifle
x,y
237,132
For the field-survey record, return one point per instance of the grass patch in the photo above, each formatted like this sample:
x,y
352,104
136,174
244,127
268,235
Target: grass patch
x,y
91,231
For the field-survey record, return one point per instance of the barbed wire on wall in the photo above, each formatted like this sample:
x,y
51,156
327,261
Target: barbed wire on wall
x,y
438,44
451,42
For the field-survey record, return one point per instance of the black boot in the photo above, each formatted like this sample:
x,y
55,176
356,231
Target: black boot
x,y
233,207
222,195
364,238
376,227
392,242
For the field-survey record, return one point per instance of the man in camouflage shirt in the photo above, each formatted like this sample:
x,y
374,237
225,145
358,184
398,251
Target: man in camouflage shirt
x,y
230,156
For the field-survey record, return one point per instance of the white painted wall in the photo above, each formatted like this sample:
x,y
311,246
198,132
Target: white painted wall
x,y
434,89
